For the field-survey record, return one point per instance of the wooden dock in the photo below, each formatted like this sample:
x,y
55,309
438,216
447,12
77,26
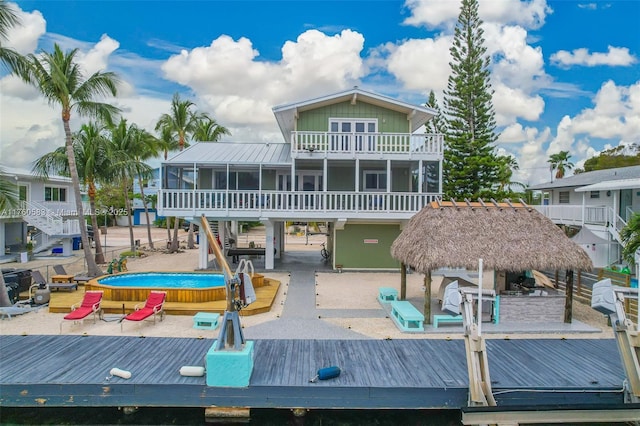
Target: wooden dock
x,y
376,374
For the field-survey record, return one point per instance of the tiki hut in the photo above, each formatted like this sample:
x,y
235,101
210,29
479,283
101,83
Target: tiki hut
x,y
507,236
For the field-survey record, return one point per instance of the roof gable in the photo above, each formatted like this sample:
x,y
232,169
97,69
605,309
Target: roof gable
x,y
287,114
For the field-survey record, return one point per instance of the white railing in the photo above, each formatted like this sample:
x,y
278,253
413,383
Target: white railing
x,y
367,143
278,201
577,215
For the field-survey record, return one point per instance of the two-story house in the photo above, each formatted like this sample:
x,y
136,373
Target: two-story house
x,y
46,205
601,201
357,160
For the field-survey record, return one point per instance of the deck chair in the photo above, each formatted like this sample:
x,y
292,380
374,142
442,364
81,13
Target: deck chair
x,y
152,307
39,279
59,270
90,305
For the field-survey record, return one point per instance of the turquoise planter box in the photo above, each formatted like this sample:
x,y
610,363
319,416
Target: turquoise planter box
x,y
229,368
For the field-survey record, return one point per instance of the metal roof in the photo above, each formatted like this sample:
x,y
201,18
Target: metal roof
x,y
234,153
28,174
590,178
286,115
611,185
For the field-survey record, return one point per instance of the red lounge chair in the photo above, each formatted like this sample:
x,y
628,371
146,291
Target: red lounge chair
x,y
153,306
90,305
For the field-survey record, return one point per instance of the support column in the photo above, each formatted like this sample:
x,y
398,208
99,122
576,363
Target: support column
x,y
268,250
278,232
203,248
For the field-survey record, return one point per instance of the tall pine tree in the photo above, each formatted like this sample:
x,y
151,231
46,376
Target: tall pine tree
x,y
435,125
471,167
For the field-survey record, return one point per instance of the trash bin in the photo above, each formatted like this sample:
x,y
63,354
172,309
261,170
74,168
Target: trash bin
x,y
198,238
76,243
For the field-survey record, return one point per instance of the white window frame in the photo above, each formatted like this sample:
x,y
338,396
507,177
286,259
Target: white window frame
x,y
562,195
56,189
382,177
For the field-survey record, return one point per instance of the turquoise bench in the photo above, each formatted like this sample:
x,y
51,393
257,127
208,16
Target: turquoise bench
x,y
206,321
387,294
407,316
446,319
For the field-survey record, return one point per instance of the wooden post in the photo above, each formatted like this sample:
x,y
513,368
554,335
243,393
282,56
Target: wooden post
x,y
579,283
557,282
427,297
568,301
403,281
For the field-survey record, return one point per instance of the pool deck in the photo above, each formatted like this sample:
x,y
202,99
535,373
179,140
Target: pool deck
x,y
73,370
61,302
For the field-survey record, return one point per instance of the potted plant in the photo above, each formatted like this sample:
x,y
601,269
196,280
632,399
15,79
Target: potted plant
x,y
29,246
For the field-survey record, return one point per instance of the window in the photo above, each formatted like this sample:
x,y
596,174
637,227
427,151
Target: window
x,y
52,193
375,181
238,180
594,194
563,197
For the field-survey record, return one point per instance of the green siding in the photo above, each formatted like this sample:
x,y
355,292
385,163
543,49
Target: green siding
x,y
341,178
269,180
352,253
317,120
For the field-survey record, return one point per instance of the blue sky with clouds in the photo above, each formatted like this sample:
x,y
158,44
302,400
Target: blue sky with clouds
x,y
566,74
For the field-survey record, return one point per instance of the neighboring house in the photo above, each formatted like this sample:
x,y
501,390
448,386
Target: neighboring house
x,y
601,201
356,160
151,187
46,205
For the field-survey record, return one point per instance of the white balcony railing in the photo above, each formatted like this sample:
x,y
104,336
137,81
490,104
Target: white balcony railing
x,y
203,201
577,215
367,143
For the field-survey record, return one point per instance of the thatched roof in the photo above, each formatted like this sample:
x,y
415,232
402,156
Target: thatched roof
x,y
508,237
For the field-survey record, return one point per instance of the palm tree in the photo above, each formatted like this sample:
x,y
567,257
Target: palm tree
x,y
630,236
560,163
8,199
508,164
125,166
144,147
9,57
208,130
60,80
92,160
180,123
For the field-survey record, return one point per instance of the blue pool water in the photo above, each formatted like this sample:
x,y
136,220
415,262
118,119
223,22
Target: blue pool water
x,y
164,280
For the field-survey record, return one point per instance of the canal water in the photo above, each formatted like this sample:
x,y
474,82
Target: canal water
x,y
195,416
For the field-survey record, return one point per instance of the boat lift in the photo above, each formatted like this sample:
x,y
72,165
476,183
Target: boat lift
x,y
482,407
609,300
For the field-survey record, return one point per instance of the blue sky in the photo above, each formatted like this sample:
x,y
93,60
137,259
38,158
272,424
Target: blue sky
x,y
566,74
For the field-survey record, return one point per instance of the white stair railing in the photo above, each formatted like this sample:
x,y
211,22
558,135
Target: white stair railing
x,y
49,221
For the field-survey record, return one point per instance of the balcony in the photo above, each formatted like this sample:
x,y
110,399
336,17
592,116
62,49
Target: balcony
x,y
577,215
292,205
336,145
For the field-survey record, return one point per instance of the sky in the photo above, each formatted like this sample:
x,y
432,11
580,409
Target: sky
x,y
565,74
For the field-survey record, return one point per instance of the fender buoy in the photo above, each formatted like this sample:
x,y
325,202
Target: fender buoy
x,y
192,371
120,373
326,373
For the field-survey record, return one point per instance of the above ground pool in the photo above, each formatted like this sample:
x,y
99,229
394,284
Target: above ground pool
x,y
186,287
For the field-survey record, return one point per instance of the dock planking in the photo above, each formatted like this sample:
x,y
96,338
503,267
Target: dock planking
x,y
73,370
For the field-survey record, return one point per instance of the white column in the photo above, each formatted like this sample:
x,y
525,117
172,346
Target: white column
x,y
203,248
420,176
278,232
388,176
357,188
268,247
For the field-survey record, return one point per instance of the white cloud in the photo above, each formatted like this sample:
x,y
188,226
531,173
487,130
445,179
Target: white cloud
x,y
24,37
97,57
229,77
410,63
443,14
615,56
512,103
